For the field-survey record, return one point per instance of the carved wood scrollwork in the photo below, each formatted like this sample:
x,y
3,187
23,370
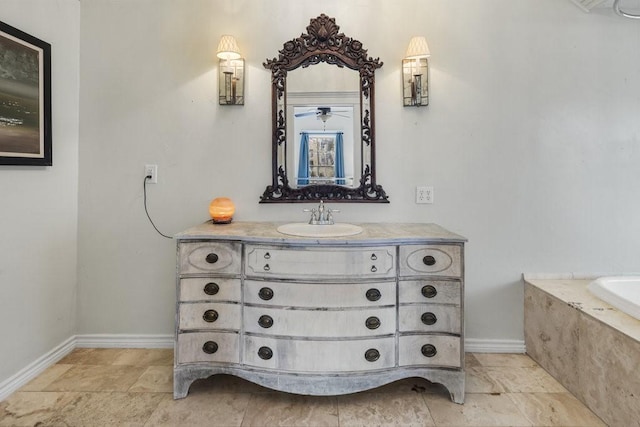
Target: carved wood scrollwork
x,y
323,43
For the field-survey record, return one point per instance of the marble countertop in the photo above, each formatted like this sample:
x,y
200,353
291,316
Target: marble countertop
x,y
574,293
384,233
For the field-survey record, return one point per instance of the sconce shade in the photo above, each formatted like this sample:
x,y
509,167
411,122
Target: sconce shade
x,y
221,210
418,48
228,48
415,73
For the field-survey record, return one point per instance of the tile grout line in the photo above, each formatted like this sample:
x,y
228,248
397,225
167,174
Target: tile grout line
x,y
244,413
424,399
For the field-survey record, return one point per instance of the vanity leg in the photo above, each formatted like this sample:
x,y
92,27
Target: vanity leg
x,y
452,380
181,384
456,387
184,376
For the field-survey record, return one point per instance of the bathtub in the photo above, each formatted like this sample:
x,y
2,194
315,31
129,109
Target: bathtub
x,y
622,292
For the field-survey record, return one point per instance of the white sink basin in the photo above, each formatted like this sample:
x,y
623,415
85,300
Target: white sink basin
x,y
302,229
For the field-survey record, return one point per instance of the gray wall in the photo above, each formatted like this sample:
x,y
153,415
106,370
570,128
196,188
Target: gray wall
x,y
531,140
38,205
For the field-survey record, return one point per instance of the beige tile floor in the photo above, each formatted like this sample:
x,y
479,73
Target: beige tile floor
x,y
133,387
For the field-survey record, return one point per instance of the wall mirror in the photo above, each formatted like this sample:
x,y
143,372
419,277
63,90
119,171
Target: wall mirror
x,y
323,119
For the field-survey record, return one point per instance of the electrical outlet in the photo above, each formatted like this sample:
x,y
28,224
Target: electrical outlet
x,y
424,195
152,171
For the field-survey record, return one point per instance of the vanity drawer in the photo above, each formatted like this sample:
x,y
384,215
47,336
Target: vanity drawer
x,y
320,294
429,318
210,289
208,347
314,263
437,260
208,315
320,323
429,350
319,356
205,257
429,291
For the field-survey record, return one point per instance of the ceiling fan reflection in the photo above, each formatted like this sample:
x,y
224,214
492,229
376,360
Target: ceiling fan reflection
x,y
322,113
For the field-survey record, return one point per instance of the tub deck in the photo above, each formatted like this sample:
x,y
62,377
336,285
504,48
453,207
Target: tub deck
x,y
590,347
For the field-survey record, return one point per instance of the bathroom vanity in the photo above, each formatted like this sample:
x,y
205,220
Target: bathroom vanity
x,y
320,316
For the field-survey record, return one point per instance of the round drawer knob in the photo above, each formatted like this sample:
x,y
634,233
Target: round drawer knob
x,y
212,258
428,350
374,257
265,353
373,294
374,268
372,355
266,267
210,347
429,260
211,288
210,316
372,322
265,321
267,255
429,291
428,318
265,293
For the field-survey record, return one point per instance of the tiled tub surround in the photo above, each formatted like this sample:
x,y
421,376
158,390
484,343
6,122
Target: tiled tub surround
x,y
587,345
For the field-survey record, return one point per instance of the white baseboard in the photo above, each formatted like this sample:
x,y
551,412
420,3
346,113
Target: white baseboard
x,y
124,341
36,367
473,345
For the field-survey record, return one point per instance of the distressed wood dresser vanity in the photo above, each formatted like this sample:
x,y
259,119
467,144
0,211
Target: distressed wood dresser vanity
x,y
320,316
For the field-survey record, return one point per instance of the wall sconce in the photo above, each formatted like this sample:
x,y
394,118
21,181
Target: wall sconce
x,y
415,73
230,72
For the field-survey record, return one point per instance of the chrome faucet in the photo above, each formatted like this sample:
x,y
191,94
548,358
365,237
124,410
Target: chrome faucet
x,y
322,215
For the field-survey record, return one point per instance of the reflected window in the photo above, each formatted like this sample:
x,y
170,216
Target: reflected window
x,y
321,159
322,152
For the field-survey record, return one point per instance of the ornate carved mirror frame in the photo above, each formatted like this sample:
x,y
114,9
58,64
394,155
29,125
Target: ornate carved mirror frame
x,y
323,43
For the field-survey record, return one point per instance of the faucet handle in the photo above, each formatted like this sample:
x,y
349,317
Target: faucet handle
x,y
314,217
329,217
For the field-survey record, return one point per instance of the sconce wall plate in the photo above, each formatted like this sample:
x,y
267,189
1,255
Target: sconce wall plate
x,y
415,82
231,81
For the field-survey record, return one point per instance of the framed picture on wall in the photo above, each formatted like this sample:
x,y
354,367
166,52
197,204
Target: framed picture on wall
x,y
25,99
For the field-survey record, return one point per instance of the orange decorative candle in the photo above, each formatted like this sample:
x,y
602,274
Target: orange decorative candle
x,y
221,210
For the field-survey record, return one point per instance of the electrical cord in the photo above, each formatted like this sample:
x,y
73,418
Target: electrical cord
x,y
144,190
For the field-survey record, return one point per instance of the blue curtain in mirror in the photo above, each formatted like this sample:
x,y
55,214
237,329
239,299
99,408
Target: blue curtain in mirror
x,y
303,163
339,159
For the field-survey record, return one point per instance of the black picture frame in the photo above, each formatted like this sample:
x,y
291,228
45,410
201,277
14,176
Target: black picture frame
x,y
25,99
